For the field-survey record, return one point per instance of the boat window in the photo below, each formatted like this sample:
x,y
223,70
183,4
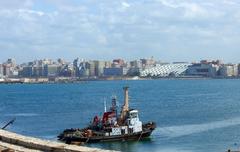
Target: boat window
x,y
123,131
134,115
130,130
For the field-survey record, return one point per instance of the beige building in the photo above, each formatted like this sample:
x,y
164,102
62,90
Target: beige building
x,y
100,65
1,70
229,70
92,66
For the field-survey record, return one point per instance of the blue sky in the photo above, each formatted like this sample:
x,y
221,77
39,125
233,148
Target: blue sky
x,y
169,30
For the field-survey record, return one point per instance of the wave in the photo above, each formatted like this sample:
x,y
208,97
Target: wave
x,y
22,114
184,130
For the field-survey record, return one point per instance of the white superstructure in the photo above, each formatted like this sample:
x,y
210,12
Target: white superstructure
x,y
133,121
133,125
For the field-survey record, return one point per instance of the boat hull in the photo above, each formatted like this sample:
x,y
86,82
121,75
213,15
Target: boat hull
x,y
95,139
70,136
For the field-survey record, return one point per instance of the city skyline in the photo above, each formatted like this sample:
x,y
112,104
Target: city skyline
x,y
173,30
95,69
111,59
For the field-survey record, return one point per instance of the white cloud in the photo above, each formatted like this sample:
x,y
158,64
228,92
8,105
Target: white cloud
x,y
25,11
194,10
125,4
191,9
141,27
168,3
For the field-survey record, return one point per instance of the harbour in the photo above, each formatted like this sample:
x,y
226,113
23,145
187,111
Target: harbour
x,y
191,115
124,75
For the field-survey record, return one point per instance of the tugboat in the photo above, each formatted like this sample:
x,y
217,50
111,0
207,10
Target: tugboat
x,y
111,127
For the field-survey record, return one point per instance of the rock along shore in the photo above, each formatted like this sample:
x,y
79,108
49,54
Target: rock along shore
x,y
10,141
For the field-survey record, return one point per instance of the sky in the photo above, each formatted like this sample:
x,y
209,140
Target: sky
x,y
168,30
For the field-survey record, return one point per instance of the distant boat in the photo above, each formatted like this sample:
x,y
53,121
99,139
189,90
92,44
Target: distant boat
x,y
112,126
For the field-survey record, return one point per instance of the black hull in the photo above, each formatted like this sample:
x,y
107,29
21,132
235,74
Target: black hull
x,y
68,136
136,136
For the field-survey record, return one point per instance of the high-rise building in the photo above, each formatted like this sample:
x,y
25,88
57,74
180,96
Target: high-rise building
x,y
66,70
228,70
38,71
204,69
147,63
92,67
11,62
76,67
27,71
6,70
51,70
135,64
1,70
108,64
84,69
99,67
238,69
118,63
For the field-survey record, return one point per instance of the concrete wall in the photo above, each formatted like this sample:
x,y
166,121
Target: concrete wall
x,y
43,145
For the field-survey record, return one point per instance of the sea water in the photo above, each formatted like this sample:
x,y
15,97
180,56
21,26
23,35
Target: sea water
x,y
191,115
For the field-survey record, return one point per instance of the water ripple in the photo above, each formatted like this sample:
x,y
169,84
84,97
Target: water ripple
x,y
184,130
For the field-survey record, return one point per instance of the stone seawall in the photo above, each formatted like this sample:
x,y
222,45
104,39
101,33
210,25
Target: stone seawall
x,y
13,141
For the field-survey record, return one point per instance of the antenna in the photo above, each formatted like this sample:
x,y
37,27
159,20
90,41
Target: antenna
x,y
105,105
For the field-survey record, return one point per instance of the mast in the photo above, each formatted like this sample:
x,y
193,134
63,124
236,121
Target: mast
x,y
114,103
126,104
105,105
125,107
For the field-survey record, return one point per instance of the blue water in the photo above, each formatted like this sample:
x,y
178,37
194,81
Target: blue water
x,y
191,115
